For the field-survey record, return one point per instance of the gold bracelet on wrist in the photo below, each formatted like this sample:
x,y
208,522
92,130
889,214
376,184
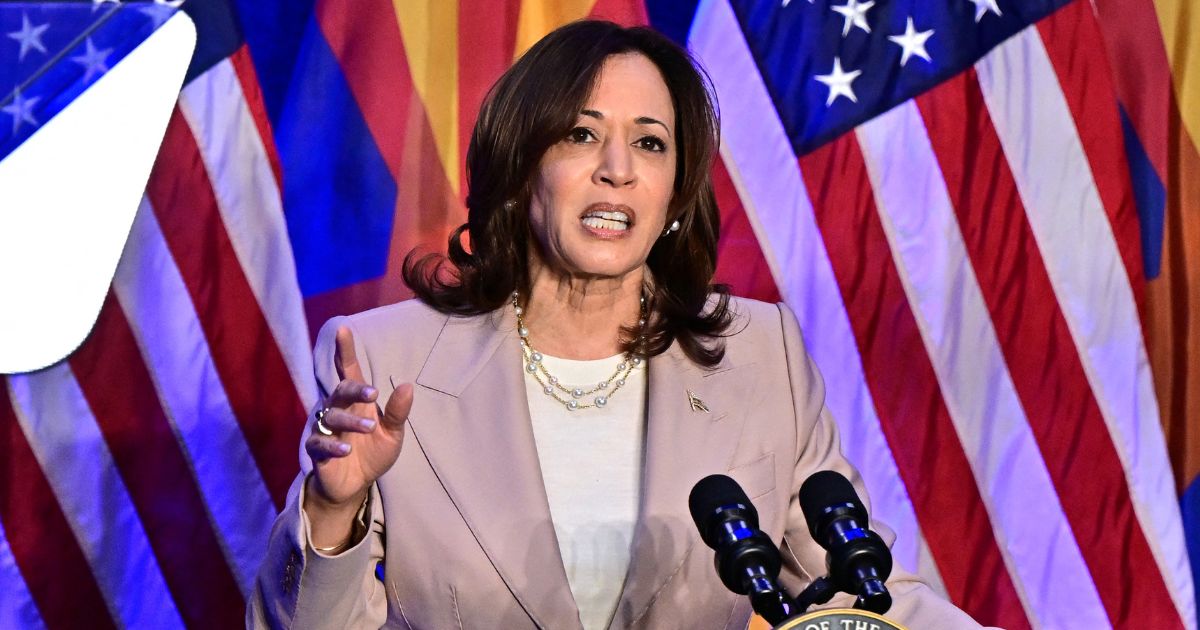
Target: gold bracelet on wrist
x,y
356,530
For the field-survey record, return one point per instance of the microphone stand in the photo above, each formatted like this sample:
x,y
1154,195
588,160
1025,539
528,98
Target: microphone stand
x,y
873,596
773,604
820,591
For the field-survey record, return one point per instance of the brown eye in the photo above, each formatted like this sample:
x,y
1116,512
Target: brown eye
x,y
651,143
580,135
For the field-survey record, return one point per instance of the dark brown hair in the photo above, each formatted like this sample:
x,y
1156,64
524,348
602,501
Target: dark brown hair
x,y
533,106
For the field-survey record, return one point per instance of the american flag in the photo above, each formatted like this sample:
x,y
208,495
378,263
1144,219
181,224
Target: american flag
x,y
943,197
956,198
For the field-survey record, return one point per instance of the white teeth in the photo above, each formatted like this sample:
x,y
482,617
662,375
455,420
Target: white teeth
x,y
611,216
605,224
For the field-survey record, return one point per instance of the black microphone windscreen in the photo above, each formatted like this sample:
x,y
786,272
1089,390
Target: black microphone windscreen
x,y
714,492
823,490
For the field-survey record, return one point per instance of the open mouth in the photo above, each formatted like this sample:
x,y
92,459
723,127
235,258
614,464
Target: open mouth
x,y
607,219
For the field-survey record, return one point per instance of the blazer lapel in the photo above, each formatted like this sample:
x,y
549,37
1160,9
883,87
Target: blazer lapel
x,y
684,443
471,418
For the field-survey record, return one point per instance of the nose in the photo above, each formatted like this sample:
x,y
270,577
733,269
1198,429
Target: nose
x,y
616,167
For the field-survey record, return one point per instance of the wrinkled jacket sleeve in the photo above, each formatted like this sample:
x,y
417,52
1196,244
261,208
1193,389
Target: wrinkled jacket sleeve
x,y
298,587
914,605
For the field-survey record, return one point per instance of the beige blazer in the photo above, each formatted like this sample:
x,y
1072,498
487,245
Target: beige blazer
x,y
461,535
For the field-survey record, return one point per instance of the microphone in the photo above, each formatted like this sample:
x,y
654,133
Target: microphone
x,y
858,559
746,559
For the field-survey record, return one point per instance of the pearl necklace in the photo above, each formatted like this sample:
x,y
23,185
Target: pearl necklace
x,y
556,390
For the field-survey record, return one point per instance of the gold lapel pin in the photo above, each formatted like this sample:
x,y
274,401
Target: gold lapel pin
x,y
696,403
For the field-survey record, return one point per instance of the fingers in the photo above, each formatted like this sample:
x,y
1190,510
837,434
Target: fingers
x,y
323,447
344,357
341,420
349,392
398,406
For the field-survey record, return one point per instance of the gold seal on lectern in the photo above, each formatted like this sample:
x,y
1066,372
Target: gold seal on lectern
x,y
840,619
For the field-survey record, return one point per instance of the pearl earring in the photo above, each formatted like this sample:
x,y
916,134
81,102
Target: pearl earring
x,y
510,205
673,228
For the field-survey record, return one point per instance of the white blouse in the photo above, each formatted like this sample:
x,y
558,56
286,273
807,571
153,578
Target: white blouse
x,y
591,462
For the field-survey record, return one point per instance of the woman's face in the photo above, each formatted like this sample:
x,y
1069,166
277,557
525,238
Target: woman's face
x,y
600,195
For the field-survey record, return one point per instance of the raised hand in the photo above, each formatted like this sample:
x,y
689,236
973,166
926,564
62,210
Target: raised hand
x,y
365,443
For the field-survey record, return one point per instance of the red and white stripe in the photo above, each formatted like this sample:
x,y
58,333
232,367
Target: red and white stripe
x,y
923,232
169,333
246,189
17,608
753,146
74,456
33,515
1091,284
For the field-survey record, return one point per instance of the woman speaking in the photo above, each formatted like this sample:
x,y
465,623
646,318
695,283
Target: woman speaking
x,y
515,448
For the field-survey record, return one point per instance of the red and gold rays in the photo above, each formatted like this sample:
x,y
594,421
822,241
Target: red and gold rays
x,y
1154,54
429,30
1173,311
539,17
1180,24
1175,295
